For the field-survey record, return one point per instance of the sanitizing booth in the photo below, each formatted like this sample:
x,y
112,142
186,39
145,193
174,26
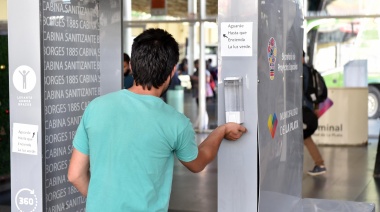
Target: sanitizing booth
x,y
260,87
63,54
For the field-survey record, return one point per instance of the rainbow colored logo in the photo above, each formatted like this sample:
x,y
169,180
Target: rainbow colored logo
x,y
272,54
272,124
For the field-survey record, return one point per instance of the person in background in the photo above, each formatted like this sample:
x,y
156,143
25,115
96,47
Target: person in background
x,y
213,70
126,142
195,82
183,68
128,77
213,77
310,124
175,81
201,124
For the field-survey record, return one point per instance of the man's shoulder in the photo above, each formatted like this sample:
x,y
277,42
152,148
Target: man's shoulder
x,y
173,117
111,94
107,98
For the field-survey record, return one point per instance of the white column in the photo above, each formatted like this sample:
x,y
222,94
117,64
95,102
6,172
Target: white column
x,y
202,70
305,27
127,37
192,14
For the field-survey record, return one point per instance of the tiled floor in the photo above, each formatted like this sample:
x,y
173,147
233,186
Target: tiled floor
x,y
349,174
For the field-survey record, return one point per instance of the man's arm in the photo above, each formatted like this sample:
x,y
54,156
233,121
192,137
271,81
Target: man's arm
x,y
208,149
79,172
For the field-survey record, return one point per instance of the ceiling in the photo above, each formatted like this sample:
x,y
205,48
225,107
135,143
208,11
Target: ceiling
x,y
177,8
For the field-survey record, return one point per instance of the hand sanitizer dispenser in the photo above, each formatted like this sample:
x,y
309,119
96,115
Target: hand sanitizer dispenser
x,y
233,99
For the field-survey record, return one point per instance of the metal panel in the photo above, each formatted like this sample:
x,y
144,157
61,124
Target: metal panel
x,y
111,45
279,105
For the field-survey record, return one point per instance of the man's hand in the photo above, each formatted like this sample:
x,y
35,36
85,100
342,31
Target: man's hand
x,y
233,131
208,149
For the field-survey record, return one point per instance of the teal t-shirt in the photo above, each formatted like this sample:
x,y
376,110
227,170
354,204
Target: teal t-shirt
x,y
131,140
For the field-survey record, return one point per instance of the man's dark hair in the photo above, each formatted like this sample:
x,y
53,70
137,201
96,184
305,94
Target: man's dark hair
x,y
154,55
126,58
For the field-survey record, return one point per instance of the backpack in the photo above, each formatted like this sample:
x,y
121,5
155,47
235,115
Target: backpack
x,y
316,90
310,122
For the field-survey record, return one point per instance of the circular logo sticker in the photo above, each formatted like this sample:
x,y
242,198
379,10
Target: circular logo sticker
x,y
24,79
26,200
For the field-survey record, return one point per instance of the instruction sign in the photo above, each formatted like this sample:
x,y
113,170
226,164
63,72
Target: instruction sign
x,y
25,138
236,39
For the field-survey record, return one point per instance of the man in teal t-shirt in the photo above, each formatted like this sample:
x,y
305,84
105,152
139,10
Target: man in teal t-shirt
x,y
125,144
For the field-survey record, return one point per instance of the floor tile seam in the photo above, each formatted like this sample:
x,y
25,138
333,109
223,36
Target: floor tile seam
x,y
365,188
